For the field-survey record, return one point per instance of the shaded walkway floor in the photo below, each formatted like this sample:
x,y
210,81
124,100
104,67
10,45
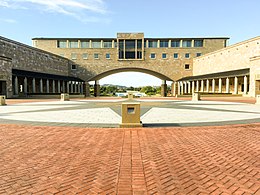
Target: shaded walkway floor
x,y
188,160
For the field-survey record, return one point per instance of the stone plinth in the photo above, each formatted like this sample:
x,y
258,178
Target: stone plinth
x,y
130,95
65,97
2,100
195,96
130,115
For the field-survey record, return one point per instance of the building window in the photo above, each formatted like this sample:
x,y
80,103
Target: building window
x,y
152,56
62,44
107,44
96,44
73,67
108,56
152,44
85,56
84,44
73,56
164,43
198,54
186,43
175,55
187,66
175,43
73,44
164,56
198,43
187,55
96,56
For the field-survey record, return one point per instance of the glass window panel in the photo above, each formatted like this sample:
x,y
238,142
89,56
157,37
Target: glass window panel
x,y
164,55
62,44
73,44
153,55
175,43
96,44
84,44
186,43
198,54
139,44
85,56
73,56
198,43
152,44
108,56
96,55
130,44
187,55
164,43
175,55
107,44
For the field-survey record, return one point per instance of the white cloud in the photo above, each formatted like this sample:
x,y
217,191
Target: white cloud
x,y
80,9
7,20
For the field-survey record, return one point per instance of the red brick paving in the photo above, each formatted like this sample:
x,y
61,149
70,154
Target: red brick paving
x,y
193,160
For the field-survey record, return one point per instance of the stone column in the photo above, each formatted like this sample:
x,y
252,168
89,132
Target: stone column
x,y
72,87
245,85
63,87
16,86
58,86
47,86
202,85
185,87
213,85
174,89
87,91
193,87
182,88
68,86
198,86
41,86
189,87
227,85
179,88
96,89
25,85
235,85
53,86
207,87
33,86
220,85
164,88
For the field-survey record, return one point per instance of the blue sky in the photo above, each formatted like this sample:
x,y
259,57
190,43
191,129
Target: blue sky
x,y
21,20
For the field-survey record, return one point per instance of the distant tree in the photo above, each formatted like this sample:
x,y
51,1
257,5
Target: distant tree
x,y
148,90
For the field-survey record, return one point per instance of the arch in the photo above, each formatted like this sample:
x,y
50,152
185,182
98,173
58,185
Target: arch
x,y
130,69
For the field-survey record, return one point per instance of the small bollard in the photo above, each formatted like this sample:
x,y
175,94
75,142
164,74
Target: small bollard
x,y
130,115
130,95
2,100
65,97
257,99
195,96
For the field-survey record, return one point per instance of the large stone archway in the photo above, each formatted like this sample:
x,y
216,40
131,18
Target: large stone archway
x,y
104,74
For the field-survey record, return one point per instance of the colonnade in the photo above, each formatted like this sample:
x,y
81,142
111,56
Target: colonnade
x,y
28,85
234,85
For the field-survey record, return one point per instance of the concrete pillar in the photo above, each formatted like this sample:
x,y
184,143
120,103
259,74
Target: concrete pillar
x,y
213,85
202,85
41,86
185,87
220,85
227,85
68,86
25,85
16,86
96,89
182,88
72,87
164,89
47,86
33,86
198,86
87,91
174,89
53,86
189,87
235,85
63,87
179,88
207,87
245,85
58,86
193,87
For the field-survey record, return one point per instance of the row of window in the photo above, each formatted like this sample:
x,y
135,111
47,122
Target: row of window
x,y
108,44
152,55
175,55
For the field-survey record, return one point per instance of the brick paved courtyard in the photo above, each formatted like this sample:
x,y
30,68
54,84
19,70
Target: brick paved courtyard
x,y
174,160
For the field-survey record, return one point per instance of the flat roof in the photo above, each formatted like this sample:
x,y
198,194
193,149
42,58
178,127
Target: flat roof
x,y
96,38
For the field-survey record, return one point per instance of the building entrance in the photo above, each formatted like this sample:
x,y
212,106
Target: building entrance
x,y
2,87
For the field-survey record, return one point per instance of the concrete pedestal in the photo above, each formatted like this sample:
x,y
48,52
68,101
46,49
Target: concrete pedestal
x,y
2,100
257,99
65,97
130,95
130,115
195,96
